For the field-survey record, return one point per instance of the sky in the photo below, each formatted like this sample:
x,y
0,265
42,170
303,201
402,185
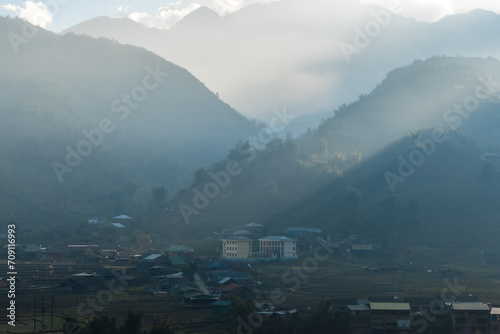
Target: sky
x,y
57,15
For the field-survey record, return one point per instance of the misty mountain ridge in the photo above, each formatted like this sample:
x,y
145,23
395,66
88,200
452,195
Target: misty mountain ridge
x,y
405,157
304,64
94,125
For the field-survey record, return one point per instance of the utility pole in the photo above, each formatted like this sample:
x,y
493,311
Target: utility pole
x,y
43,312
34,315
52,311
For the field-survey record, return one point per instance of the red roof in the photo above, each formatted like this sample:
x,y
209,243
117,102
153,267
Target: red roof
x,y
231,287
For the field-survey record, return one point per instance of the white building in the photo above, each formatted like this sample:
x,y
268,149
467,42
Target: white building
x,y
236,248
278,247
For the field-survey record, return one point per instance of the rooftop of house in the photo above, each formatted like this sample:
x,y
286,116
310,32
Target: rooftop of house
x,y
358,307
390,306
238,238
176,260
304,229
470,307
122,217
152,257
278,238
495,311
179,248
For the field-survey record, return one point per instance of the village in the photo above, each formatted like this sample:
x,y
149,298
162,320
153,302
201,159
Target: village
x,y
85,279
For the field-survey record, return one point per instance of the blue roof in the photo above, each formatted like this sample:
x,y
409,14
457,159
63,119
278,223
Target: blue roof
x,y
237,238
304,229
276,238
153,257
221,303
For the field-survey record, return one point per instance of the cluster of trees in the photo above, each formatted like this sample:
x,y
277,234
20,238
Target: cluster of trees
x,y
133,324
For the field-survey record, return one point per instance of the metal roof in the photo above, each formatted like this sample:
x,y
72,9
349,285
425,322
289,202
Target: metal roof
x,y
358,307
179,248
240,238
495,310
122,217
390,306
224,280
304,229
470,307
281,238
152,257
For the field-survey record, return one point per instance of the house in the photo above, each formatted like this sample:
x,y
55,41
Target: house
x,y
278,247
236,248
359,318
220,307
236,290
118,225
254,228
76,283
361,249
390,317
154,258
272,312
495,320
198,299
122,218
177,261
226,281
468,318
96,220
221,277
178,249
301,231
31,252
217,266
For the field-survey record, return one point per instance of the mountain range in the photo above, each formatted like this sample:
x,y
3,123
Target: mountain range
x,y
308,56
91,126
414,161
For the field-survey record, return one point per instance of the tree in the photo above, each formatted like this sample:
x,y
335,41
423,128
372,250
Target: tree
x,y
143,242
159,195
200,176
489,171
132,324
102,325
352,199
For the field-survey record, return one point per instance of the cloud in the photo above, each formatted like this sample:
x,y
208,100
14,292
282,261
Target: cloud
x,y
432,11
35,13
166,17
